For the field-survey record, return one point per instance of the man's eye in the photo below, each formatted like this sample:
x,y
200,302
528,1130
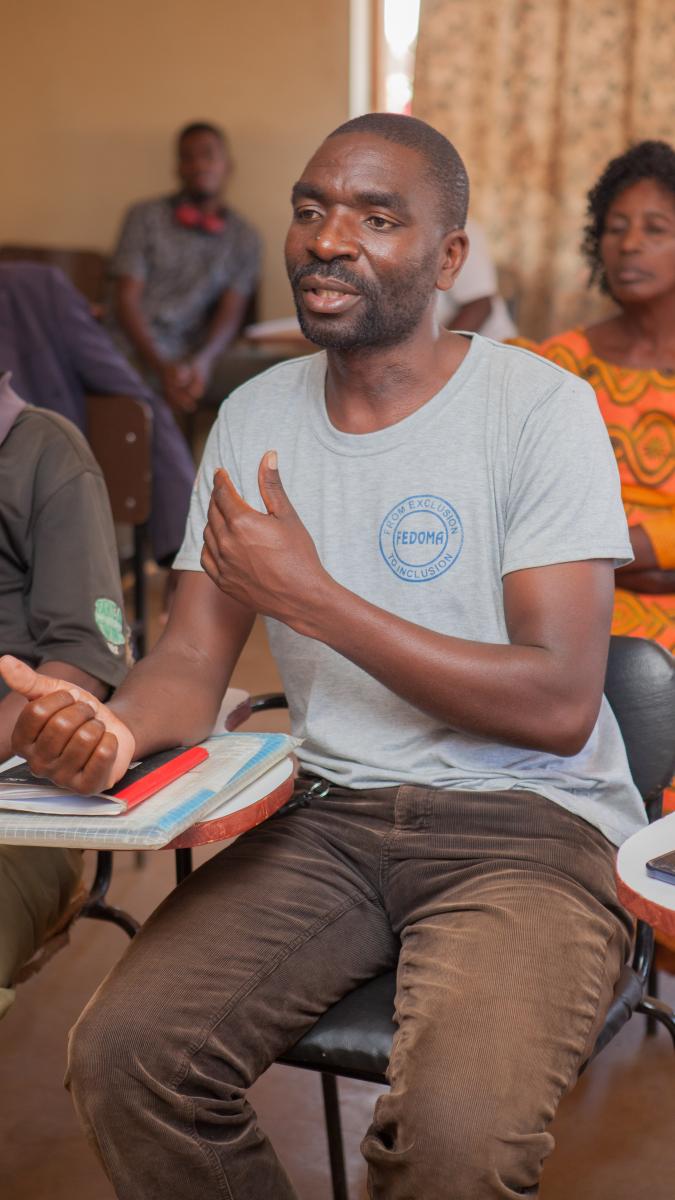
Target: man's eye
x,y
377,222
306,214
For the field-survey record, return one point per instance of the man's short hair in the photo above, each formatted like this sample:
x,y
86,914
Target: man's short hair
x,y
447,171
201,127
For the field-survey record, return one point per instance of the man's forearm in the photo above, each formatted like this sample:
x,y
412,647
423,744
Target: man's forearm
x,y
516,694
472,316
644,556
167,701
653,581
223,328
131,318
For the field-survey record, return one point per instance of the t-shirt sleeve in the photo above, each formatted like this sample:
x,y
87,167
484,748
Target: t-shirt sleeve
x,y
75,611
130,256
217,453
564,500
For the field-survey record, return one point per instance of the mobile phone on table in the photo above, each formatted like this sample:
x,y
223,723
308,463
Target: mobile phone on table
x,y
662,867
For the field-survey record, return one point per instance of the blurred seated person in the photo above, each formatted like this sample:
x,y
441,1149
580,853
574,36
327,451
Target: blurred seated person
x,y
61,612
57,353
473,304
184,269
629,359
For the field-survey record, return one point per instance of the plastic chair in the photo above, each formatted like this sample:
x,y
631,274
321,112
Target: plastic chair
x,y
354,1037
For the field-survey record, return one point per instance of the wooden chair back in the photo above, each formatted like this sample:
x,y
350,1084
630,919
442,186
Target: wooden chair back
x,y
86,269
119,431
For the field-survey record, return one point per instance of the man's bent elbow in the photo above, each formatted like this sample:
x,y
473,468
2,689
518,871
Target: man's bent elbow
x,y
569,729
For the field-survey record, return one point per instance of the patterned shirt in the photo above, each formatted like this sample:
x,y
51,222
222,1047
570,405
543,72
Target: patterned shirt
x,y
185,272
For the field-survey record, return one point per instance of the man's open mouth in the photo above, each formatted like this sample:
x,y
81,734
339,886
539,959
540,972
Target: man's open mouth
x,y
328,296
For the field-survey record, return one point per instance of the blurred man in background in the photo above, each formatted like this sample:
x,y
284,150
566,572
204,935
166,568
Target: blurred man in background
x,y
184,269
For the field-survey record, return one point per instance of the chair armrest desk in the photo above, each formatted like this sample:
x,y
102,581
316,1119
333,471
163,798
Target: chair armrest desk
x,y
652,900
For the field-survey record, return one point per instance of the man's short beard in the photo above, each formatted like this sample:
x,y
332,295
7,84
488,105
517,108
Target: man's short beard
x,y
385,316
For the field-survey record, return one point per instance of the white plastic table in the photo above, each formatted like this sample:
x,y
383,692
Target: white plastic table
x,y
652,900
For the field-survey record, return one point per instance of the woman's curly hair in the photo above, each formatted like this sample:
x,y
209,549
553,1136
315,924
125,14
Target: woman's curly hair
x,y
645,160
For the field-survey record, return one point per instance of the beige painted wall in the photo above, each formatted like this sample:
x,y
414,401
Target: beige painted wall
x,y
92,91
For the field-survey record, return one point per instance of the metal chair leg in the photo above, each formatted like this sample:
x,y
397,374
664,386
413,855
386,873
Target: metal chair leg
x,y
331,1107
96,906
100,911
655,1010
653,988
183,864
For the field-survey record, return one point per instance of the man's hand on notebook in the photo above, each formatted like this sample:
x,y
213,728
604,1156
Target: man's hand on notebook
x,y
66,734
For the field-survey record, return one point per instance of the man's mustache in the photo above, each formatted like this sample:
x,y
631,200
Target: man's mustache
x,y
331,270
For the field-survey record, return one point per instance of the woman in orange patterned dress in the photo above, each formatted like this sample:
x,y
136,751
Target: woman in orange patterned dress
x,y
629,360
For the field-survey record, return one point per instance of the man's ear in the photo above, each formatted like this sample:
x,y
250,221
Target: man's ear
x,y
454,253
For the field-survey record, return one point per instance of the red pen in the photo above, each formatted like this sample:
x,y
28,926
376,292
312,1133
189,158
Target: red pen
x,y
161,776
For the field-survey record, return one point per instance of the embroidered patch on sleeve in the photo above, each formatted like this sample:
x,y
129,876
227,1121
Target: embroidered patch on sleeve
x,y
110,623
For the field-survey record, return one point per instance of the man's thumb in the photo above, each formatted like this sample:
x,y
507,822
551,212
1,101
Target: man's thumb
x,y
271,488
23,679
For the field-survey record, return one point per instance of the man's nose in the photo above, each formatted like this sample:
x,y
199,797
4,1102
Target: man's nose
x,y
334,238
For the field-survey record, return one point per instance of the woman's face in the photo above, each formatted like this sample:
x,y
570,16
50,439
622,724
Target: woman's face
x,y
638,243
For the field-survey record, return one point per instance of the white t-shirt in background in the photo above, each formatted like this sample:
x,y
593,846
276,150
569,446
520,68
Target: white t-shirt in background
x,y
476,279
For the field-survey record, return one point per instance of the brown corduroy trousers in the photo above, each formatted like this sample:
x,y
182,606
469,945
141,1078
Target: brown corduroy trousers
x,y
501,911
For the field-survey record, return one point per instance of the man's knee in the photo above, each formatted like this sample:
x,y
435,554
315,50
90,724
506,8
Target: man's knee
x,y
112,1048
455,1145
38,889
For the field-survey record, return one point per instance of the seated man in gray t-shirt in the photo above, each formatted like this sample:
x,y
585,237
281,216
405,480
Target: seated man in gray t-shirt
x,y
430,524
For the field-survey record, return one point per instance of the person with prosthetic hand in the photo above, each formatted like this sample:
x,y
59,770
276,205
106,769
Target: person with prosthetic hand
x,y
432,541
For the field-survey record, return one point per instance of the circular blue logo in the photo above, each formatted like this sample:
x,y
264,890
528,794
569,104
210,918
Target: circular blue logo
x,y
421,538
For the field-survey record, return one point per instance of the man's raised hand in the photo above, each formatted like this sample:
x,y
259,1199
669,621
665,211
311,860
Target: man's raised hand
x,y
266,561
66,734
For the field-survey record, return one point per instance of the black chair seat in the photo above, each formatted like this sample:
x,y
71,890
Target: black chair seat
x,y
353,1037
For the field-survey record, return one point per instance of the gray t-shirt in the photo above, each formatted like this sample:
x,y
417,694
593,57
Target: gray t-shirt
x,y
509,466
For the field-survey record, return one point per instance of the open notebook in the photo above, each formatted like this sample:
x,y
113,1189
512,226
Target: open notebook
x,y
21,791
235,761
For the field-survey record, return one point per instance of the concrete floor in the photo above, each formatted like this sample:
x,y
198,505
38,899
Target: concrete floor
x,y
614,1133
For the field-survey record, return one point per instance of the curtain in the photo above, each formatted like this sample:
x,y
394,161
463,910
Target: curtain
x,y
537,96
